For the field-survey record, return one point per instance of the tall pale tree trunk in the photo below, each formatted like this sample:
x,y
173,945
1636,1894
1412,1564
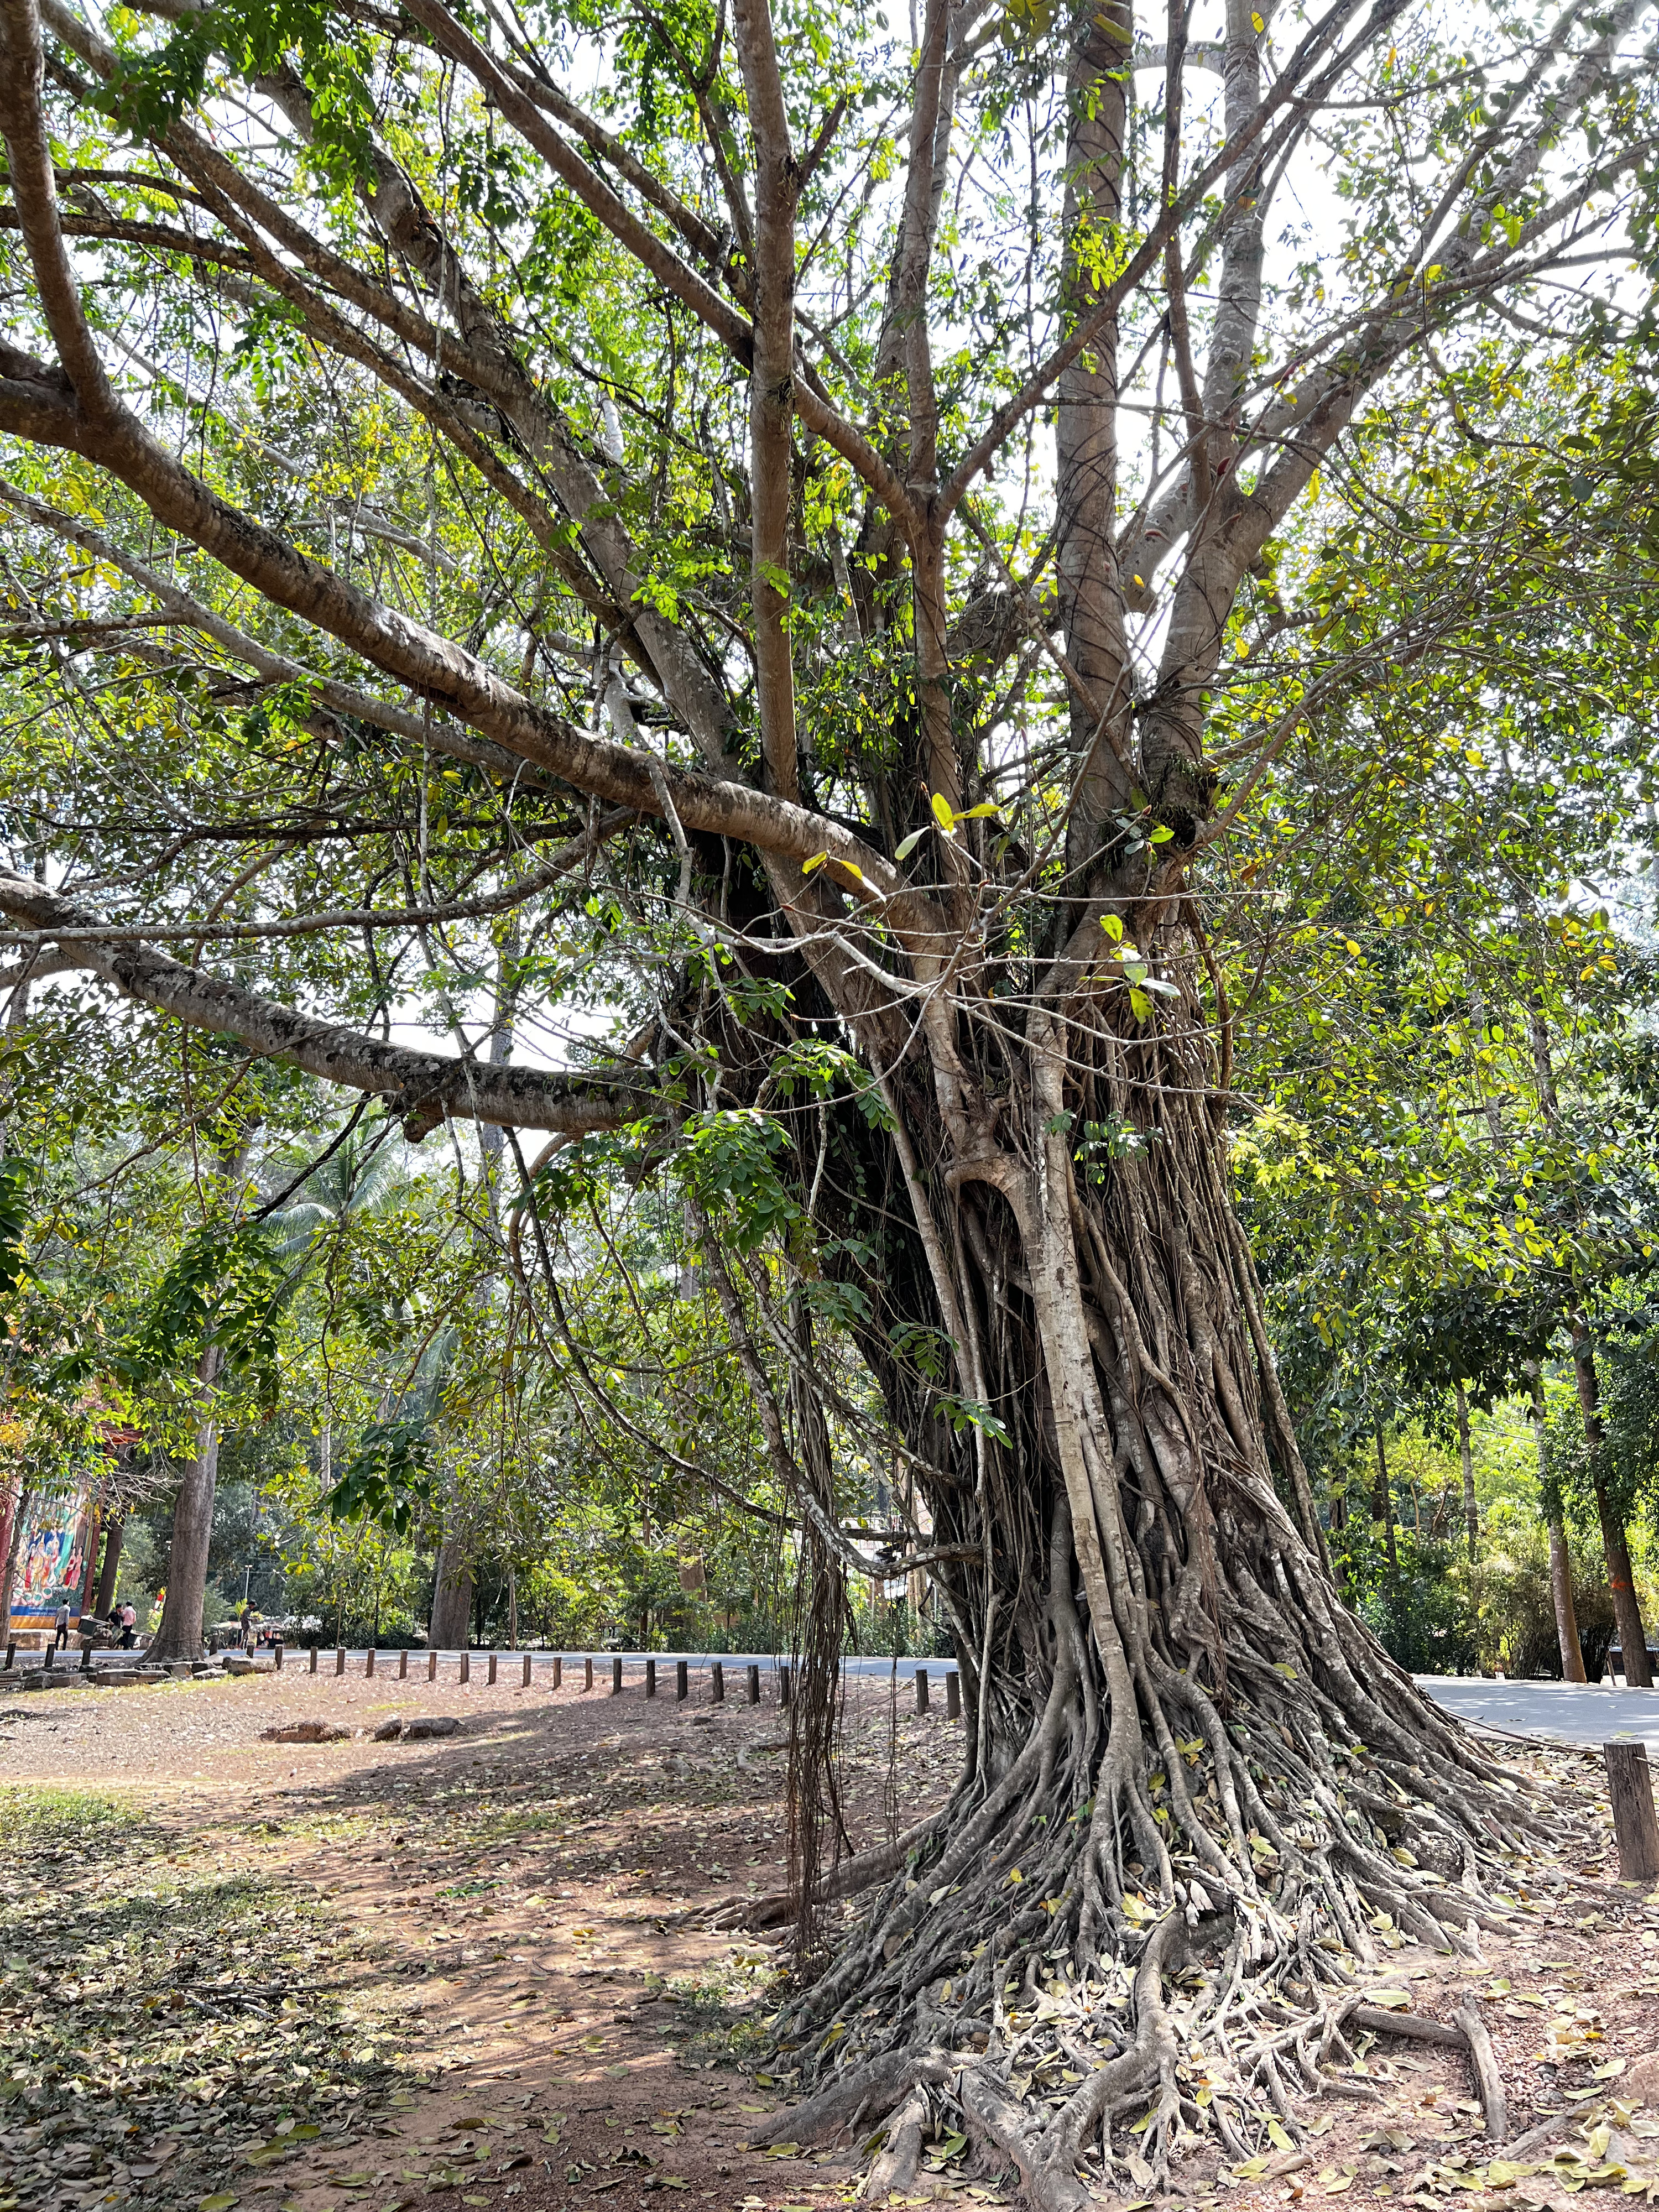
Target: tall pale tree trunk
x,y
1466,1461
180,1635
1615,1541
1566,1616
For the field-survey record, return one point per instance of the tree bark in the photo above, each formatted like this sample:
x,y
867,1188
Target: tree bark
x,y
113,1542
1383,1506
22,1497
1566,1616
89,1570
1615,1544
451,1626
180,1635
1466,1461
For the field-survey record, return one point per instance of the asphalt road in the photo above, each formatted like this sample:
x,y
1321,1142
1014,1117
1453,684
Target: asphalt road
x,y
1561,1712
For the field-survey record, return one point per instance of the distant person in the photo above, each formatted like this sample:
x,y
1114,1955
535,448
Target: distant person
x,y
244,1622
129,1625
60,1641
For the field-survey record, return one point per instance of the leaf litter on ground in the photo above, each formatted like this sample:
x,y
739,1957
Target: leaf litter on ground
x,y
172,2023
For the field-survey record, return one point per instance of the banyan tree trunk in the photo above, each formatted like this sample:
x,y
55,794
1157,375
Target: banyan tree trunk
x,y
1187,1750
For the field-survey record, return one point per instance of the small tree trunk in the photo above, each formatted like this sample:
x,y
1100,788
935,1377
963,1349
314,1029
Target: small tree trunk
x,y
1632,1634
22,1497
1466,1458
1566,1616
180,1635
90,1573
452,1600
113,1541
1383,1506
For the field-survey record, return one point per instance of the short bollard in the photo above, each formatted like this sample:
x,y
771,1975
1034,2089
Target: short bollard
x,y
403,1666
277,1651
616,1678
718,1675
86,1658
314,1658
526,1670
558,1672
368,1665
751,1686
588,1665
466,1666
339,1658
492,1667
953,1696
650,1678
51,1656
11,1653
682,1681
783,1686
922,1689
431,1666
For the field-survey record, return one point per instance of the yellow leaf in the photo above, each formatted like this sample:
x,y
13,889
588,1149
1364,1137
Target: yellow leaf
x,y
816,861
943,813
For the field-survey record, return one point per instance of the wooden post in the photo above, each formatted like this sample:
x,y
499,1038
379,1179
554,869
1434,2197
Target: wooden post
x,y
682,1681
51,1656
1630,1789
558,1670
650,1678
922,1689
339,1658
526,1670
277,1652
313,1659
953,1696
718,1675
588,1682
368,1665
403,1666
752,1690
616,1677
492,1669
431,1666
783,1686
466,1666
11,1652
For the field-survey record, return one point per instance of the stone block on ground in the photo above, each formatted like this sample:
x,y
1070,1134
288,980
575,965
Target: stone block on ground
x,y
387,1732
308,1732
431,1724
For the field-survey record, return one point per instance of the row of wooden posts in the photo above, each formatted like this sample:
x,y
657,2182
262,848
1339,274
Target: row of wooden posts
x,y
681,1677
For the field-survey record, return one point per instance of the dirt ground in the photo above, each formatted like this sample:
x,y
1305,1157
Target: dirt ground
x,y
500,1966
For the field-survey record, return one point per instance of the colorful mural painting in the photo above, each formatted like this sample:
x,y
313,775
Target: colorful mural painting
x,y
52,1556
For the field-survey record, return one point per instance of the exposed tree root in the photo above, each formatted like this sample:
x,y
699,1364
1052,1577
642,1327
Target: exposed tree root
x,y
1237,1895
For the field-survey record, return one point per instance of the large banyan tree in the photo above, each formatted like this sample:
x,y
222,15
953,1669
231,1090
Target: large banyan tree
x,y
833,475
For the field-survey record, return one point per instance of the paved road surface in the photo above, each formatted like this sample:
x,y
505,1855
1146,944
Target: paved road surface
x,y
1565,1712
